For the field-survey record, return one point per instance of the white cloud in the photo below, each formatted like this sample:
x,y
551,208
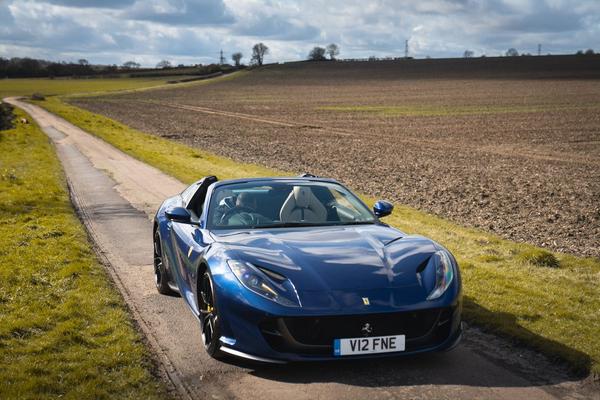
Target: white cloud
x,y
192,31
179,12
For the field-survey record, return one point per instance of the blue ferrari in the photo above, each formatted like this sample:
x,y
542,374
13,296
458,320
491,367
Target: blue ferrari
x,y
300,269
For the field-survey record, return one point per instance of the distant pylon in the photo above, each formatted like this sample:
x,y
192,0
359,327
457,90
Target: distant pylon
x,y
539,49
221,58
406,48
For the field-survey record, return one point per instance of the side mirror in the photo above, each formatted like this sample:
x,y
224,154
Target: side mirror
x,y
178,214
382,208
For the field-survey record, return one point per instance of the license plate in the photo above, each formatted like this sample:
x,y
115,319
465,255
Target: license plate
x,y
368,345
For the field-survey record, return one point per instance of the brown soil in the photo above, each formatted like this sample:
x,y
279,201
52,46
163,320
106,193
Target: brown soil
x,y
518,157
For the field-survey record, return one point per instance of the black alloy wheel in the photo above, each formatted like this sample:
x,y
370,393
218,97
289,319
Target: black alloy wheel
x,y
161,278
209,318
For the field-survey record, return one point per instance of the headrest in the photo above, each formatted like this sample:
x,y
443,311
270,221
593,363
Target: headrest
x,y
224,193
303,196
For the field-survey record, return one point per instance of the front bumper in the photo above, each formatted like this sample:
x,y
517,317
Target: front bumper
x,y
314,336
262,336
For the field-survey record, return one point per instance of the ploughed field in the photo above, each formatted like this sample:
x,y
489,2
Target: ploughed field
x,y
512,150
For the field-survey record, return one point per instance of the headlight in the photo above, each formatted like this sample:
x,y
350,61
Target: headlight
x,y
444,273
266,283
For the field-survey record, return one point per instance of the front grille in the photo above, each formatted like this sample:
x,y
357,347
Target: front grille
x,y
315,335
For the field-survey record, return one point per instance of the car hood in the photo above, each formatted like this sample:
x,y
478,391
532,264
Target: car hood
x,y
356,259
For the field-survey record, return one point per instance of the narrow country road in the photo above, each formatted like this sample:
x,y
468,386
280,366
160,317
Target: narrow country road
x,y
116,196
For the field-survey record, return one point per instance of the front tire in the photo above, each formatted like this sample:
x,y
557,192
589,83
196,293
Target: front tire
x,y
161,278
209,317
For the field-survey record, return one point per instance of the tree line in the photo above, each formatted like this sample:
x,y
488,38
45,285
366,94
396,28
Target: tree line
x,y
259,51
32,68
26,67
512,52
37,68
318,53
17,67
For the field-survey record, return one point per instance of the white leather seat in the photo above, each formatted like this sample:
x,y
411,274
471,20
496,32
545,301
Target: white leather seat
x,y
302,206
224,194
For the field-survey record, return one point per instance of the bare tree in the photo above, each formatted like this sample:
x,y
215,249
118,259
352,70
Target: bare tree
x,y
468,54
512,52
259,50
333,50
83,62
163,64
589,52
131,65
237,57
317,54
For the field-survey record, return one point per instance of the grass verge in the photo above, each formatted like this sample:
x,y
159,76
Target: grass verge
x,y
47,87
64,330
96,86
549,301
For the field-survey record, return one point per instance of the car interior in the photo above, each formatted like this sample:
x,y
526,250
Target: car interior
x,y
283,203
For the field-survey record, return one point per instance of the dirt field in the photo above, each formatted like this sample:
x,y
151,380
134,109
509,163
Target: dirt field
x,y
516,155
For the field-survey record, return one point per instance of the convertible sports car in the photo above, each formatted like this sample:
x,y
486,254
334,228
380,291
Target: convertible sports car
x,y
297,269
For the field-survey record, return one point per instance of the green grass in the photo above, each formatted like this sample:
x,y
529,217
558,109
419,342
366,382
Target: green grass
x,y
539,257
64,330
48,87
172,158
222,78
86,87
549,301
439,111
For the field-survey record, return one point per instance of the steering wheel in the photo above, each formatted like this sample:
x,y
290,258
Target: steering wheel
x,y
246,215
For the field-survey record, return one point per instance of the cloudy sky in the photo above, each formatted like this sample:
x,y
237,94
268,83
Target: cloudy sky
x,y
193,31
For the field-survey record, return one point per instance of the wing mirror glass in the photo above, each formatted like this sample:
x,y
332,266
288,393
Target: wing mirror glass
x,y
179,214
382,208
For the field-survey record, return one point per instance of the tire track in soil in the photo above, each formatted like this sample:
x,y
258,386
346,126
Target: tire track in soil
x,y
505,149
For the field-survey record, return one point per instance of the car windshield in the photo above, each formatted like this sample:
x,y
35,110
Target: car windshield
x,y
280,204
